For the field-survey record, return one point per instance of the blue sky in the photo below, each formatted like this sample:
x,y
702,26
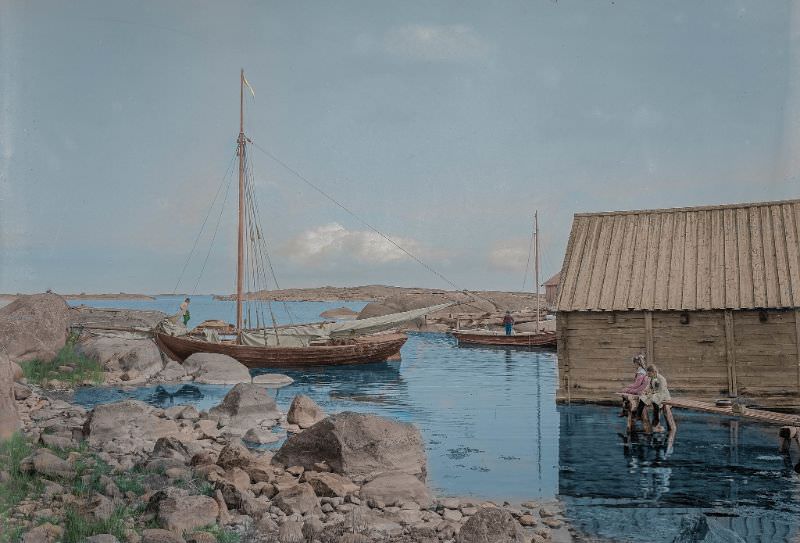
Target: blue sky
x,y
445,124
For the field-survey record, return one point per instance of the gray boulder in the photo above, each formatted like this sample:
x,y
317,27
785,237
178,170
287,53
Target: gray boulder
x,y
34,327
357,445
696,528
298,499
304,412
246,406
126,427
396,488
140,358
216,369
184,513
491,525
9,420
171,373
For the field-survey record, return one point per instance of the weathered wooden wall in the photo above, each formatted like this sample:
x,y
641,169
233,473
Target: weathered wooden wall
x,y
717,352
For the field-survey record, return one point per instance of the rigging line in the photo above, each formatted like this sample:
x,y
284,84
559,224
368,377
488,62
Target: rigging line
x,y
252,203
261,247
266,251
528,263
368,225
214,236
253,229
202,226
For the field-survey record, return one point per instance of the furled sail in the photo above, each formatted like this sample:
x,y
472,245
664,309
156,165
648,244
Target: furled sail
x,y
303,334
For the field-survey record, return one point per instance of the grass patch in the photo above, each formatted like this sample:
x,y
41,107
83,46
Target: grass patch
x,y
78,527
8,533
83,368
222,535
19,484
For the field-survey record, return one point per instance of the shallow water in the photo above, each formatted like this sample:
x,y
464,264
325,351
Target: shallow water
x,y
492,430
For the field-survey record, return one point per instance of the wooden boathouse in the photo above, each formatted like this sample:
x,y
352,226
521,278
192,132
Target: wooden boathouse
x,y
711,295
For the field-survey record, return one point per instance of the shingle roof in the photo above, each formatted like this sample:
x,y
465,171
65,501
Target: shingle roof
x,y
743,256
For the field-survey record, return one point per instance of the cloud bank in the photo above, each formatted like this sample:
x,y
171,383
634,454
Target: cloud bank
x,y
333,242
435,43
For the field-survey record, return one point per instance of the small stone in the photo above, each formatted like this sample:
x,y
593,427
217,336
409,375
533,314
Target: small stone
x,y
157,535
45,533
530,505
451,503
546,512
272,380
102,538
322,467
297,471
453,515
469,511
552,523
201,537
262,437
527,520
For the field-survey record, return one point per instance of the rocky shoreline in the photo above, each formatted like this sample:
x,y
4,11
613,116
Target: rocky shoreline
x,y
127,471
181,475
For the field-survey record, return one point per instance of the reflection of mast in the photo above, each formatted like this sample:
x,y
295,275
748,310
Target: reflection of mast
x,y
539,406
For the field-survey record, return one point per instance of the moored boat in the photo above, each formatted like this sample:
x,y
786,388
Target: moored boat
x,y
259,346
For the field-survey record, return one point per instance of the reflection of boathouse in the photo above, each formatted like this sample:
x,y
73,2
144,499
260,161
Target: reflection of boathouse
x,y
710,294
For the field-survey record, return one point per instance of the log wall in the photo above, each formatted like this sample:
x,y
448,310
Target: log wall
x,y
715,354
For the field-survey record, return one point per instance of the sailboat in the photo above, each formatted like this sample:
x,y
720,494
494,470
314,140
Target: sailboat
x,y
537,338
315,344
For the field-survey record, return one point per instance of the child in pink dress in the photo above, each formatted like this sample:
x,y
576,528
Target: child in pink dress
x,y
640,383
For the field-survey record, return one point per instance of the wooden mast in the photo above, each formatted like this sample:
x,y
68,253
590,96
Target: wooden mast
x,y
240,234
536,252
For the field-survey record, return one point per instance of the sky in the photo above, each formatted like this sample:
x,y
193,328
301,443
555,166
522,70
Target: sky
x,y
445,125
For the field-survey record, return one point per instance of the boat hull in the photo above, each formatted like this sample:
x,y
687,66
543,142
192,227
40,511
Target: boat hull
x,y
543,339
361,351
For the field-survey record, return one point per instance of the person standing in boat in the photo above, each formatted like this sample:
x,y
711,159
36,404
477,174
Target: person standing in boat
x,y
183,312
508,323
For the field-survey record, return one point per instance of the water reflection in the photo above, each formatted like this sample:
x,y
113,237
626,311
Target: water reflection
x,y
721,467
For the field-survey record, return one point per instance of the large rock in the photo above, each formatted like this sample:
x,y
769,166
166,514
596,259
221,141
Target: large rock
x,y
246,406
34,327
9,420
396,488
357,445
697,529
272,380
139,357
304,412
50,465
298,499
127,426
216,369
184,513
491,525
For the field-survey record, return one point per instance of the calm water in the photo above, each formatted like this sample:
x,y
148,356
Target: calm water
x,y
492,429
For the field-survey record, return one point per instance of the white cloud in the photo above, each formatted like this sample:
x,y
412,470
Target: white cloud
x,y
332,241
429,42
509,256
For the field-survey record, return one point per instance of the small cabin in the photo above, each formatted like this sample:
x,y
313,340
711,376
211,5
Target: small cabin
x,y
551,289
711,295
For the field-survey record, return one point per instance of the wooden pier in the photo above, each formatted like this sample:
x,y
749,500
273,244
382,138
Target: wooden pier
x,y
770,417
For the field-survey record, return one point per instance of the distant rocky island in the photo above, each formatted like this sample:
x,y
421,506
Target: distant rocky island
x,y
92,296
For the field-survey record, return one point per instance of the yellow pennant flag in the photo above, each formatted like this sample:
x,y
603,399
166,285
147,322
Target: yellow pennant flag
x,y
246,82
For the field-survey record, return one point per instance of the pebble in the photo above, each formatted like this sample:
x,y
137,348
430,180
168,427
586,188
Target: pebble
x,y
453,515
527,520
